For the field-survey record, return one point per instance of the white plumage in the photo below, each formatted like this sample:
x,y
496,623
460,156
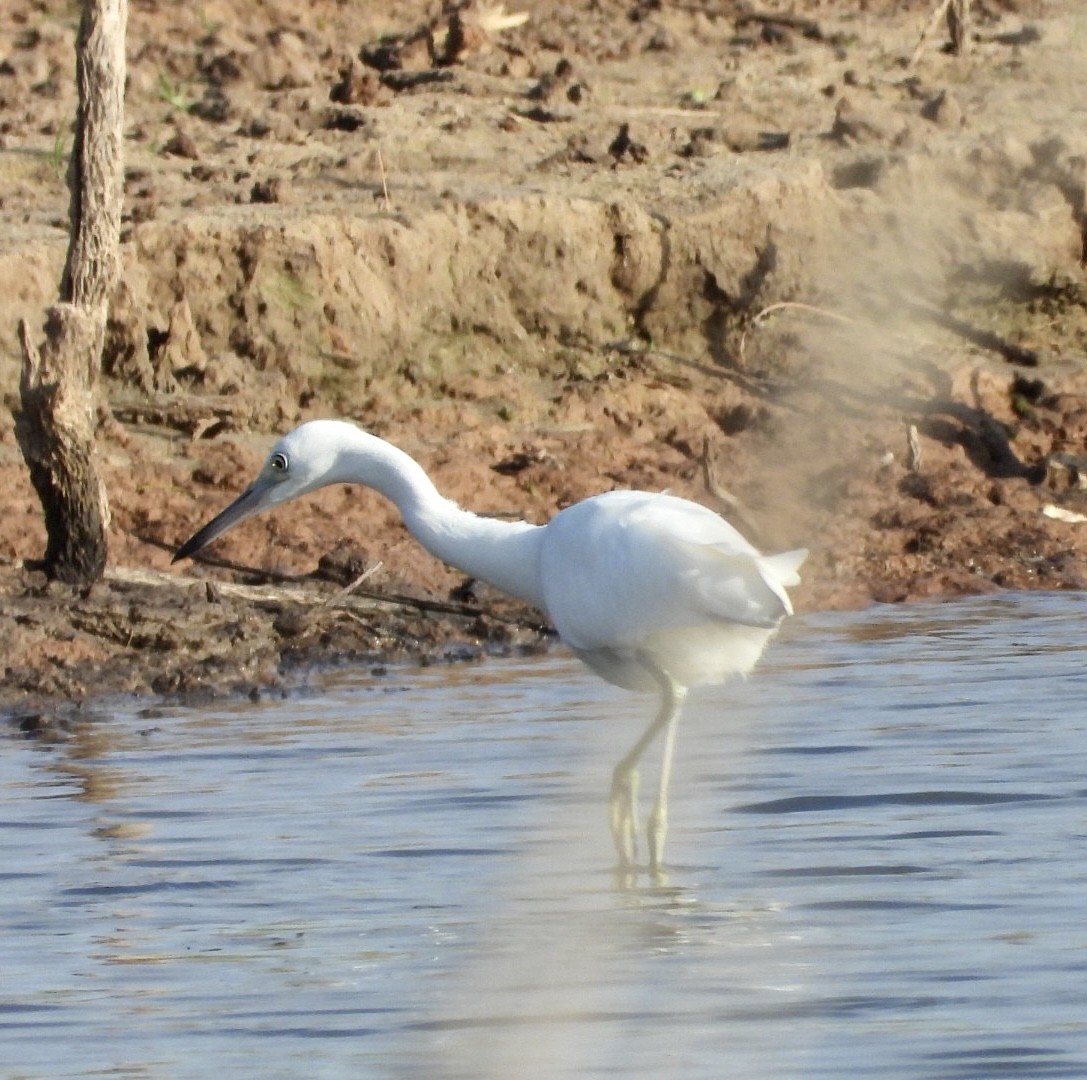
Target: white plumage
x,y
650,591
630,572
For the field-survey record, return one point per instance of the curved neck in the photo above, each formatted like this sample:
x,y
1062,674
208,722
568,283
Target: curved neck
x,y
502,553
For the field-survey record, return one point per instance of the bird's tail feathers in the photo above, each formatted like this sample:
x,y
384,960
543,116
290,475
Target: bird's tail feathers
x,y
783,568
779,572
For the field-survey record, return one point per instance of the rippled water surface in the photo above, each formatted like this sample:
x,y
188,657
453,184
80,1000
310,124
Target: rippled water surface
x,y
878,868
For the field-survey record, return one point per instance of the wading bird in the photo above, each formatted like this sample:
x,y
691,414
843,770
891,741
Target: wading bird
x,y
652,592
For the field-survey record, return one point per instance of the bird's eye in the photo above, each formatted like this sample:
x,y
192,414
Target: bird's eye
x,y
278,463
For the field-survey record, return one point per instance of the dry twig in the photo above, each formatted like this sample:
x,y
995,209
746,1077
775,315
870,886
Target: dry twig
x,y
795,305
384,185
957,13
913,449
340,594
733,506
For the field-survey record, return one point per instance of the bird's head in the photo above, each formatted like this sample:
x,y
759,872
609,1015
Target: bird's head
x,y
300,462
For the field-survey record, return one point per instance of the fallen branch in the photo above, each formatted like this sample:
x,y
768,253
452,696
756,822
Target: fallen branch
x,y
809,28
983,339
190,413
758,388
351,596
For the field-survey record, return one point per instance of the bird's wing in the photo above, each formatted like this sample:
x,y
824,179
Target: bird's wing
x,y
740,587
618,568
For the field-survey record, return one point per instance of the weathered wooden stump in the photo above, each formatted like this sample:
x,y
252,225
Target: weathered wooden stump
x,y
55,422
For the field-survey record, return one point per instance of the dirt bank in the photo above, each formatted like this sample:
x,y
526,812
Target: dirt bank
x,y
548,259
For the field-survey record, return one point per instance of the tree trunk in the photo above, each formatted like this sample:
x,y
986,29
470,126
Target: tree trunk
x,y
55,423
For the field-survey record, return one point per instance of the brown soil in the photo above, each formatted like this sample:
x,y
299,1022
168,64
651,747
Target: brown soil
x,y
545,261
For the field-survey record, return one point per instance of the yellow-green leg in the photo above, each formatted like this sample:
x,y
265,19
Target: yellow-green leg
x,y
624,781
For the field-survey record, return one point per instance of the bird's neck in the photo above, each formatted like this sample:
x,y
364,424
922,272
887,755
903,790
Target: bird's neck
x,y
502,553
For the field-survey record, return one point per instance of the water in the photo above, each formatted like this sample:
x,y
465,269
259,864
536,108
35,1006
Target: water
x,y
877,869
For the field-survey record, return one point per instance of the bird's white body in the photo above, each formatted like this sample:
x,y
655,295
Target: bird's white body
x,y
630,574
651,591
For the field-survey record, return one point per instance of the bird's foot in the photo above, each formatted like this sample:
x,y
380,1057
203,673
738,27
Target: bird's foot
x,y
624,814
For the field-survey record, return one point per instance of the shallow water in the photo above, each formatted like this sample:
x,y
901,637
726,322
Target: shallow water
x,y
877,869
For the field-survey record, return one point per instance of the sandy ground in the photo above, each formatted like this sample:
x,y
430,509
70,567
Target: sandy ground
x,y
551,259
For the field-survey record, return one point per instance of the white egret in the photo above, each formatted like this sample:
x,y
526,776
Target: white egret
x,y
651,591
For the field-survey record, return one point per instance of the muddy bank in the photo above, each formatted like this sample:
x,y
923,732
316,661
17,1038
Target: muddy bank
x,y
549,259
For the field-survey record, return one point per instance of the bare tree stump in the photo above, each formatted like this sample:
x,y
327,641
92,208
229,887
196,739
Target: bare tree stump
x,y
55,423
55,428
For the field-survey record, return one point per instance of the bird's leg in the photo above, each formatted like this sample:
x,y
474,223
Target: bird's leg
x,y
624,780
657,826
624,810
624,794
